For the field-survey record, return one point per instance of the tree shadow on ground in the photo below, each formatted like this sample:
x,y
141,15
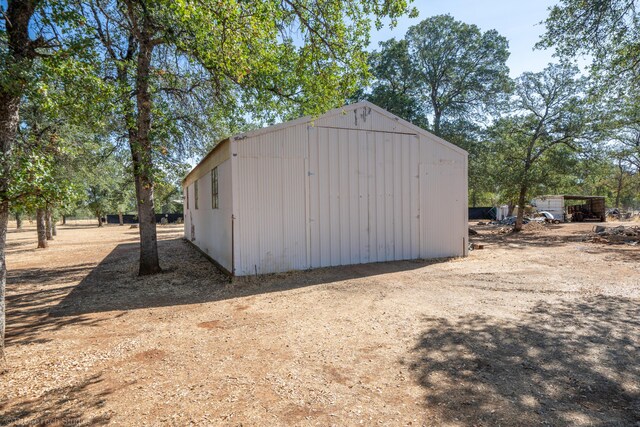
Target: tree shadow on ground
x,y
59,275
568,363
524,240
626,253
15,244
45,300
29,301
190,278
72,225
25,242
160,231
61,406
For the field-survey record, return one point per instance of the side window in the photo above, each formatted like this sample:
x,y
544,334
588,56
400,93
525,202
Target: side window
x,y
195,195
214,188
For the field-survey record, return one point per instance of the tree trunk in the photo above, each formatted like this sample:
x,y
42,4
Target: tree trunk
x,y
54,229
620,183
437,117
141,153
48,224
120,219
9,117
520,216
64,220
4,220
41,226
99,221
18,57
19,220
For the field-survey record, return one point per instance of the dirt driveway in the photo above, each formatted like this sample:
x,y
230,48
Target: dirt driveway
x,y
536,329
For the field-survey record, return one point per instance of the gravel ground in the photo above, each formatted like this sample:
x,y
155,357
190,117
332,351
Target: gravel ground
x,y
541,328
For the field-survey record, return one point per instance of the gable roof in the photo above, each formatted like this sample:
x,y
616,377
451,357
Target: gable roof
x,y
336,111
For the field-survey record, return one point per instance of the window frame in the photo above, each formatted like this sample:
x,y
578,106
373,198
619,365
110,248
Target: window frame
x,y
195,194
215,194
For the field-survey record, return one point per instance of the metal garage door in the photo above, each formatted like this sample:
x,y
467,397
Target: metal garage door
x,y
363,198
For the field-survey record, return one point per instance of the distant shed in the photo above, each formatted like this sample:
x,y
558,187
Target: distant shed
x,y
575,208
355,185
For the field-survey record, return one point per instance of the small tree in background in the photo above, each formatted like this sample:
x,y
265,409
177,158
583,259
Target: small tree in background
x,y
98,201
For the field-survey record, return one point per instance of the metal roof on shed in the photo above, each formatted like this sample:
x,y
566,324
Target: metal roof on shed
x,y
570,197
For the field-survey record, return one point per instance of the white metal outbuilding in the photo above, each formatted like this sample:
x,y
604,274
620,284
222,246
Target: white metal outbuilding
x,y
552,204
355,185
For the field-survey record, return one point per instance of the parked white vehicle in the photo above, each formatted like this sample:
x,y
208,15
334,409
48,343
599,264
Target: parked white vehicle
x,y
548,217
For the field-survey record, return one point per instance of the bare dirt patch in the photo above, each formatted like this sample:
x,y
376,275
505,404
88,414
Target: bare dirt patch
x,y
210,325
536,328
150,355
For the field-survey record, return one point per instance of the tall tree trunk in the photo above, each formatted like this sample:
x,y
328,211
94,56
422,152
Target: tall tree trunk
x,y
99,220
9,117
54,229
520,216
20,50
48,223
437,118
64,220
620,183
141,154
41,226
19,220
4,220
120,219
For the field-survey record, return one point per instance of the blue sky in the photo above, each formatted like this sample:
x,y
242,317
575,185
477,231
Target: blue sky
x,y
517,20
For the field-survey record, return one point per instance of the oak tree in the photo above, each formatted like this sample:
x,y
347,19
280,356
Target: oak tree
x,y
460,71
546,124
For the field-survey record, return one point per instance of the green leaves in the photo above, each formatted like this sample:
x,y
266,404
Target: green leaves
x,y
446,76
37,179
607,33
462,71
536,145
395,87
443,67
301,56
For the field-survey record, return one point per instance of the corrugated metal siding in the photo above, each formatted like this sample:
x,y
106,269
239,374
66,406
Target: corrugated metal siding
x,y
363,193
208,228
289,143
270,223
553,205
443,201
364,118
307,195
